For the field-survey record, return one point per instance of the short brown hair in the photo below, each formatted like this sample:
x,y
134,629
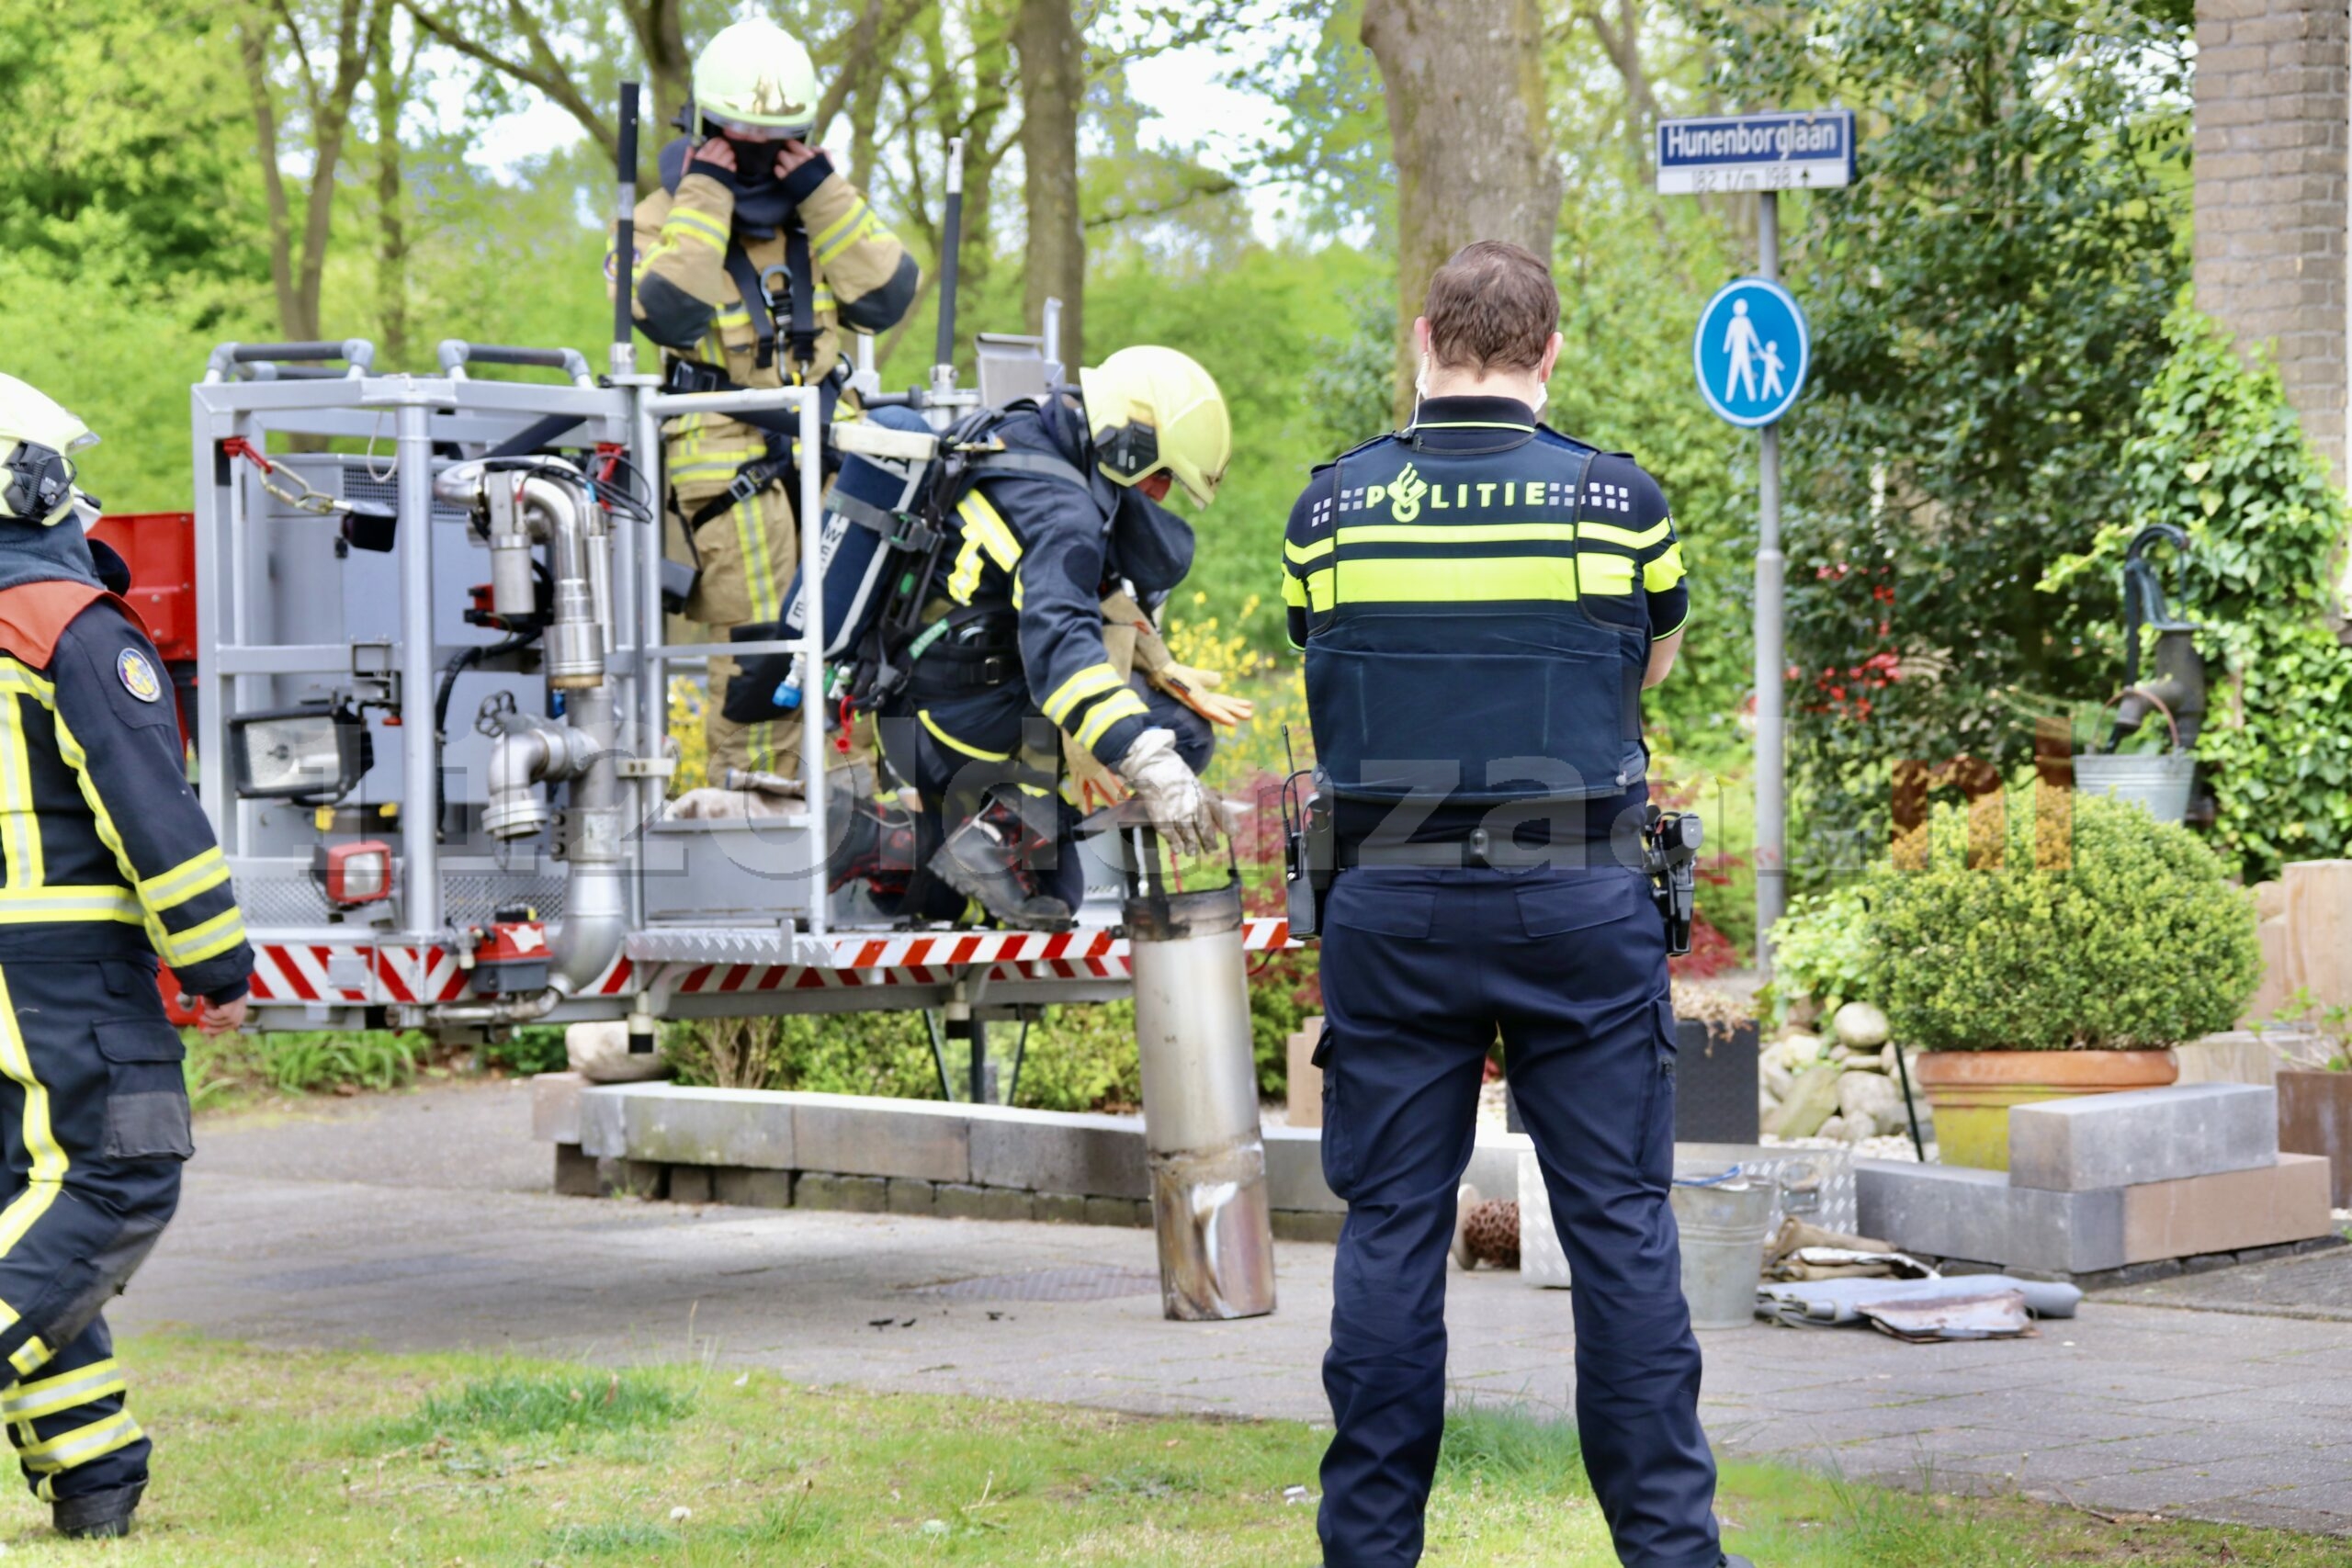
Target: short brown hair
x,y
1491,307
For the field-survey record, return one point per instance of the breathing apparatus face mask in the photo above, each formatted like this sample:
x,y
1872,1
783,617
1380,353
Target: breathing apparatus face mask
x,y
39,478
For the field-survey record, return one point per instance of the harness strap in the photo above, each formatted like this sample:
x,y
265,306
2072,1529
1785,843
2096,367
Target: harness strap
x,y
756,301
800,276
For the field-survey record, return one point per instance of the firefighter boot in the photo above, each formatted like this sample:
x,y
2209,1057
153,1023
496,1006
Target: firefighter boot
x,y
992,858
876,845
97,1514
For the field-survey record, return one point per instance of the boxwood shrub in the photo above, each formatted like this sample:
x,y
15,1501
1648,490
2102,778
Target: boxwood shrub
x,y
2094,927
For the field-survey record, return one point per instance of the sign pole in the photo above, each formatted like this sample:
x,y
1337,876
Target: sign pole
x,y
1771,732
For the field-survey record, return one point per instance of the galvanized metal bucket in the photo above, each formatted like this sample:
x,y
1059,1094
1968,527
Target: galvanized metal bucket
x,y
1724,1215
2161,783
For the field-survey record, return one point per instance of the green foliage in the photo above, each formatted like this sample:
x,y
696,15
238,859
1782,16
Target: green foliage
x,y
1984,302
1821,948
2217,450
1513,1446
303,1062
534,1048
2099,929
543,1404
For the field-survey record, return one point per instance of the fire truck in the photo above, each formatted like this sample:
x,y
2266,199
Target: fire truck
x,y
430,710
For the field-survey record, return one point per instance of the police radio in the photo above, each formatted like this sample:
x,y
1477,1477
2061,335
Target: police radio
x,y
1670,842
1309,842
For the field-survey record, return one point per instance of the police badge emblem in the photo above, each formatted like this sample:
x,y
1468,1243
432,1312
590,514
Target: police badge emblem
x,y
138,676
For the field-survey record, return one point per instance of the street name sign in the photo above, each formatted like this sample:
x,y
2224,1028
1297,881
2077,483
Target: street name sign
x,y
1799,150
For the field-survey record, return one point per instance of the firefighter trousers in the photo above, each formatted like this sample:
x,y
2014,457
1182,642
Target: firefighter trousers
x,y
94,1119
1421,968
747,555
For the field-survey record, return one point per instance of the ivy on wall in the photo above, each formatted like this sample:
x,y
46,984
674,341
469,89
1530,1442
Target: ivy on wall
x,y
2217,450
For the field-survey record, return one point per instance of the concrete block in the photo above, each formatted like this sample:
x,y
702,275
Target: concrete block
x,y
710,1126
960,1201
1295,1171
1048,1151
1118,1211
2239,1055
632,1179
2231,1211
2315,1118
1293,1224
748,1189
555,1107
601,1132
689,1184
2148,1134
1954,1212
1059,1208
576,1173
856,1194
870,1136
911,1195
1006,1203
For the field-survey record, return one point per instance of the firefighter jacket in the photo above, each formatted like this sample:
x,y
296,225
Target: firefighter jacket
x,y
104,850
1047,550
690,252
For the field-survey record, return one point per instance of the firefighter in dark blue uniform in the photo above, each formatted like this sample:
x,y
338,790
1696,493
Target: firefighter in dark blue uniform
x,y
1013,652
1481,601
106,861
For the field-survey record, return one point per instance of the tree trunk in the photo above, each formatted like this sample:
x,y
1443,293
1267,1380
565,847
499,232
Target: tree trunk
x,y
1053,87
1465,85
388,86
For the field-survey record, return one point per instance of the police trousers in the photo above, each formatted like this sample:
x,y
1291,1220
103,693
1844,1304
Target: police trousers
x,y
1421,968
94,1120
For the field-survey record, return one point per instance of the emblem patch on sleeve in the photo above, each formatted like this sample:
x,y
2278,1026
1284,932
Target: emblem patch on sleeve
x,y
138,676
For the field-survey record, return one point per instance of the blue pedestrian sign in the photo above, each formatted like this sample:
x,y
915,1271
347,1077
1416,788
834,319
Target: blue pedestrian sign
x,y
1751,351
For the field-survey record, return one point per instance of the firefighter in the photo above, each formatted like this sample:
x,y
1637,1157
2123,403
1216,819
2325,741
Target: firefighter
x,y
1481,601
108,862
1012,655
753,257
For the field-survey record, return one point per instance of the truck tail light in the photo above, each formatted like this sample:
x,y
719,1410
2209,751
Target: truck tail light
x,y
358,873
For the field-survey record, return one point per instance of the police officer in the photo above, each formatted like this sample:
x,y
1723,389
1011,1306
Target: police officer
x,y
760,254
1481,601
1017,652
108,862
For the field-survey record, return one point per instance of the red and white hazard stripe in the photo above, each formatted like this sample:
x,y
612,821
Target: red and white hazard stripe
x,y
285,972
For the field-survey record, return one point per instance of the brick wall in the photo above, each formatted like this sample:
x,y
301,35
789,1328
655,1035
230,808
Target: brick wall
x,y
2272,82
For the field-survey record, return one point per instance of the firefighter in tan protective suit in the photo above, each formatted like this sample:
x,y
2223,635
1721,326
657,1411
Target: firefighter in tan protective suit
x,y
752,258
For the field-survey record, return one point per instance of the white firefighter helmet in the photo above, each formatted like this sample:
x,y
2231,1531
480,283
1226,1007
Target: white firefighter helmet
x,y
753,76
1151,408
37,439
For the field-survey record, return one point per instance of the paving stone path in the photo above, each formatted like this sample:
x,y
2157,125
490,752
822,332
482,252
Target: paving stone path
x,y
423,1221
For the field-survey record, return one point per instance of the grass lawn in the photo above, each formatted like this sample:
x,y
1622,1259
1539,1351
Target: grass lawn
x,y
299,1458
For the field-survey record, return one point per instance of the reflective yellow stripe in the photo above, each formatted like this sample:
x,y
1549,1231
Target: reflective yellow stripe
x,y
1293,592
1448,534
964,581
950,742
70,748
1319,548
200,873
20,823
48,1164
1605,576
38,906
1109,711
820,299
1090,682
1625,536
751,537
983,519
1666,572
868,228
1321,588
210,940
1425,581
859,210
80,1445
32,1352
683,223
34,1401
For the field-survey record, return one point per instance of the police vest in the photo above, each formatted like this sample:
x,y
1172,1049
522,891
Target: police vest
x,y
1462,645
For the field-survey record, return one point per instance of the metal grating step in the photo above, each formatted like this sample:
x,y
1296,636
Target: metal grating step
x,y
1092,1282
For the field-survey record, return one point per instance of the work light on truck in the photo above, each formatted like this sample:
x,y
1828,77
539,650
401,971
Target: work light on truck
x,y
356,873
316,752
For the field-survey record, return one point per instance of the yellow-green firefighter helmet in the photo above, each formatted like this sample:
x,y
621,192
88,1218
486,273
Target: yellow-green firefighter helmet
x,y
37,438
1154,408
754,76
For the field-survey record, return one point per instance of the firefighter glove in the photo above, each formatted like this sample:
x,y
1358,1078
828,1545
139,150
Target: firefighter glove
x,y
1179,804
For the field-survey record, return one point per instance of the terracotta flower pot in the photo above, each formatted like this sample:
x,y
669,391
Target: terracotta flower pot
x,y
1971,1091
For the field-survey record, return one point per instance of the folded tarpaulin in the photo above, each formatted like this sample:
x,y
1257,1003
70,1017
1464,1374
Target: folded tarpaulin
x,y
1826,1303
